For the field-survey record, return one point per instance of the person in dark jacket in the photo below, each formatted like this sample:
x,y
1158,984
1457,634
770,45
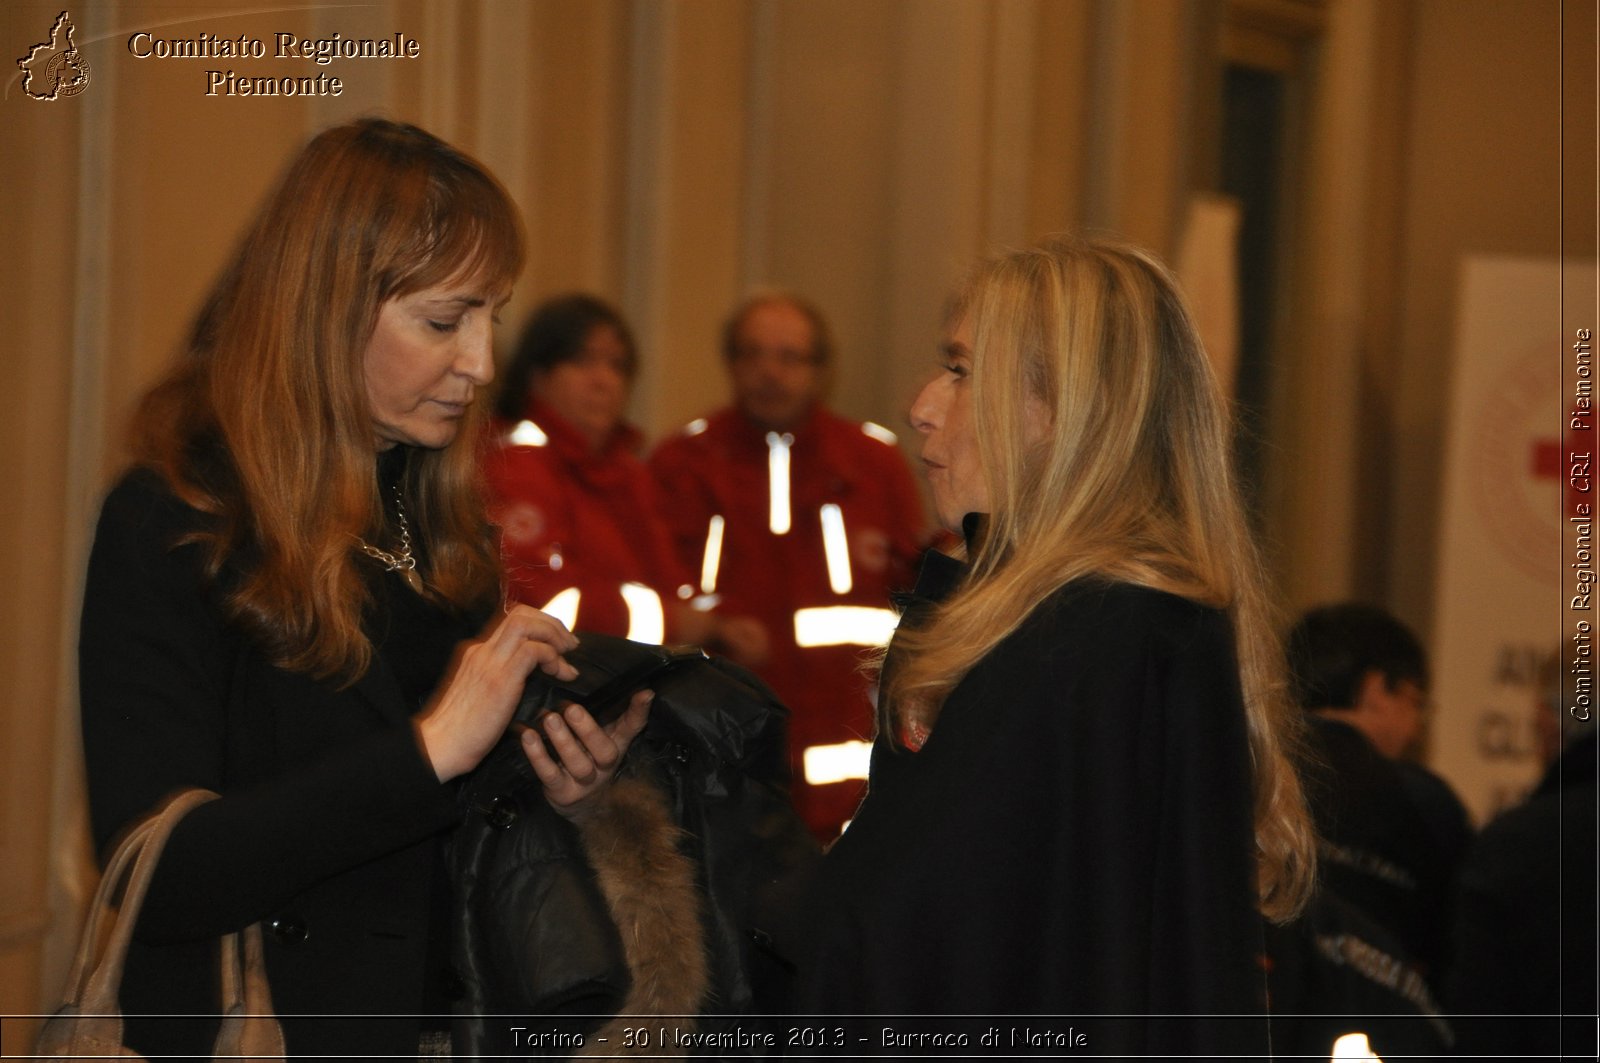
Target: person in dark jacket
x,y
1392,833
286,604
1081,801
1524,976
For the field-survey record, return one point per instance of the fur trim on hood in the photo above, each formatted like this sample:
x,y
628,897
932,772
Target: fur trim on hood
x,y
650,888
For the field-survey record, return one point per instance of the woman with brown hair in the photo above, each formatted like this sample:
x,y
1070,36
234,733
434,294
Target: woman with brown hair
x,y
287,596
1081,798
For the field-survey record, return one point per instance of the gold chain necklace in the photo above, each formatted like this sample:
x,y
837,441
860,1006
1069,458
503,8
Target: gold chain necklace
x,y
401,562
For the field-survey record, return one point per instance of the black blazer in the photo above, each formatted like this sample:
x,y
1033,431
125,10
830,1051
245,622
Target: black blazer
x,y
330,819
1074,840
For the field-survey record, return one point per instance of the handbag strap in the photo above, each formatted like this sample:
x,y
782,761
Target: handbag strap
x,y
102,909
250,1030
244,973
99,993
90,1019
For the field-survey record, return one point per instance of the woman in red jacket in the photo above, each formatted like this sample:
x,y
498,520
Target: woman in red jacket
x,y
581,535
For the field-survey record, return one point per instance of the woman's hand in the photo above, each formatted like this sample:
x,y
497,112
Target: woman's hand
x,y
589,754
471,709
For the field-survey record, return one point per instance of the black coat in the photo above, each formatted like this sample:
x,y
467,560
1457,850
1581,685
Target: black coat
x,y
1525,934
330,820
1393,835
1075,839
537,929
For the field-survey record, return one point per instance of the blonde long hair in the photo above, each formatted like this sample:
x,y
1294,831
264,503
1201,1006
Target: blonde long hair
x,y
265,425
1133,483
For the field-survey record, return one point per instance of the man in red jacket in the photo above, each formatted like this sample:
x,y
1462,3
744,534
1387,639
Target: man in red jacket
x,y
790,514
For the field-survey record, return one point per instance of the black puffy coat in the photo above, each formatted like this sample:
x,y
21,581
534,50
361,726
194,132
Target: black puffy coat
x,y
695,849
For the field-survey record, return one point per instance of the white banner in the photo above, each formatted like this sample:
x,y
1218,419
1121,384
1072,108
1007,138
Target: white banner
x,y
1501,605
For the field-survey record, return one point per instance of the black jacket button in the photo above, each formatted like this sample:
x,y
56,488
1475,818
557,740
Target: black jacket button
x,y
289,930
501,814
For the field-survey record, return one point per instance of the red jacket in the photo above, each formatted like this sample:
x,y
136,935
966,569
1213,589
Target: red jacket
x,y
573,520
841,474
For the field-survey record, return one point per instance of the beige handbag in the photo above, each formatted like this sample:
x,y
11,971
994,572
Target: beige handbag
x,y
89,1023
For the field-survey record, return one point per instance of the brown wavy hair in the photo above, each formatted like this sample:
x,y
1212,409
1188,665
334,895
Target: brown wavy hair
x,y
264,423
1134,483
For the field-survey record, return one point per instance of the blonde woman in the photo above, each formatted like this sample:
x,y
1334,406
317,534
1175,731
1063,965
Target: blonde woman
x,y
1081,800
293,600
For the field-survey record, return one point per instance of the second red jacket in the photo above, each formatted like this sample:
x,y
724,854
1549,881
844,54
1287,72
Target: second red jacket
x,y
809,532
581,531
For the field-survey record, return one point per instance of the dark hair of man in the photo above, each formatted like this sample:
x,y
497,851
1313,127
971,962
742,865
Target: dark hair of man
x,y
1332,648
554,334
822,346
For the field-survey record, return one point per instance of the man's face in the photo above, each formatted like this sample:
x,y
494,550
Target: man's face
x,y
776,370
1393,713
